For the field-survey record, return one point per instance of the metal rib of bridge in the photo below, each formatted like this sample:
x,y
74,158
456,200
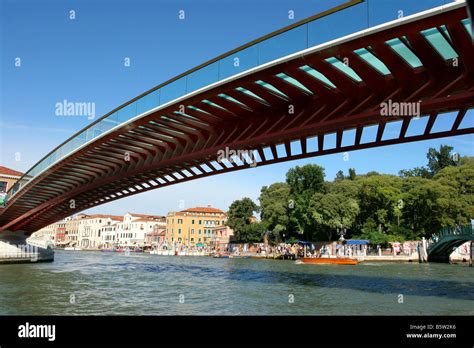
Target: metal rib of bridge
x,y
252,112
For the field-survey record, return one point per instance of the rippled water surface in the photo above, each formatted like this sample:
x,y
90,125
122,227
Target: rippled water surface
x,y
143,284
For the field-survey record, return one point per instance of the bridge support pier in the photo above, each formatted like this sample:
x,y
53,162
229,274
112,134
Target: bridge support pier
x,y
16,247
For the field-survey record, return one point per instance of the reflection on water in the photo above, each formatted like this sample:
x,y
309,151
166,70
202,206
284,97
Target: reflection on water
x,y
141,284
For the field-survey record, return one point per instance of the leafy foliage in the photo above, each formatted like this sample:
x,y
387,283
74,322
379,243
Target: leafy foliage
x,y
379,207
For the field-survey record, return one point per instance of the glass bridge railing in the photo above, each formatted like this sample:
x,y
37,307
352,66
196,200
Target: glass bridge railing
x,y
341,18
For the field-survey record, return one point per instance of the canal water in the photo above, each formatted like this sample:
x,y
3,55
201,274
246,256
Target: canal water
x,y
99,283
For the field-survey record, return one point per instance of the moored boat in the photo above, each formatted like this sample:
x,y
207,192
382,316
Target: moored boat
x,y
327,261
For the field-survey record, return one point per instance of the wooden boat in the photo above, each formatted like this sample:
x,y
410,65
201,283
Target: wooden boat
x,y
327,260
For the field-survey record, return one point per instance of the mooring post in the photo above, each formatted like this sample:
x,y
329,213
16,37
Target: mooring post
x,y
470,253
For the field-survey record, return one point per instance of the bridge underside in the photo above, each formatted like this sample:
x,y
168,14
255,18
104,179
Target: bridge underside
x,y
444,248
254,112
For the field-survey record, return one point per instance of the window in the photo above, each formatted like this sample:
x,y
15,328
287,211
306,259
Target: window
x,y
180,221
199,231
192,231
179,230
3,186
192,222
200,222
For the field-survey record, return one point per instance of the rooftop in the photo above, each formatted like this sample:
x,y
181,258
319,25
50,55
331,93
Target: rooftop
x,y
8,171
102,216
147,216
207,209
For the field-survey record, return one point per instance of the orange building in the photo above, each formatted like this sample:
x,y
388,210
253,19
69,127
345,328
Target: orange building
x,y
193,226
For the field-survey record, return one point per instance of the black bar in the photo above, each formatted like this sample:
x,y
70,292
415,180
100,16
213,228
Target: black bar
x,y
296,331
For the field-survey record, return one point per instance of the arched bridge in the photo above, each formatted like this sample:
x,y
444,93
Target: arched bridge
x,y
280,109
448,240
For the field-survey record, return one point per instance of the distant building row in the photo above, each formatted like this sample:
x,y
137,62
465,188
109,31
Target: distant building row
x,y
194,227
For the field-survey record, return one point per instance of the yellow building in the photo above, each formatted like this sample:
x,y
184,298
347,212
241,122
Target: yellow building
x,y
193,226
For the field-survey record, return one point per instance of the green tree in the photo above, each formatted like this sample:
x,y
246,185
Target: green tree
x,y
275,204
378,196
418,171
429,205
303,182
333,210
339,176
438,160
352,174
240,220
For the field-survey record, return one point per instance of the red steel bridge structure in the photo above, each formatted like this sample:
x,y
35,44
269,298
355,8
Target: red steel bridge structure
x,y
281,110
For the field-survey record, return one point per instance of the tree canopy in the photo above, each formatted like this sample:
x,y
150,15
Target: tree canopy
x,y
378,207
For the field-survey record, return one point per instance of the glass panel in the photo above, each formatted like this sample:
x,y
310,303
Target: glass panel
x,y
392,130
467,24
372,60
281,151
107,123
282,45
417,126
127,112
246,91
445,31
202,77
268,153
295,148
148,102
312,144
172,91
195,108
318,75
213,104
294,82
444,122
96,131
403,51
271,88
467,120
441,45
329,141
388,10
238,62
343,68
227,97
339,24
348,137
369,134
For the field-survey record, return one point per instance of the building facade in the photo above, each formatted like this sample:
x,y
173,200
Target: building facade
x,y
222,236
133,229
194,226
90,229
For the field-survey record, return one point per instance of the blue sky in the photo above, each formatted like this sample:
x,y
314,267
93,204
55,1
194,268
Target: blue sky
x,y
82,60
